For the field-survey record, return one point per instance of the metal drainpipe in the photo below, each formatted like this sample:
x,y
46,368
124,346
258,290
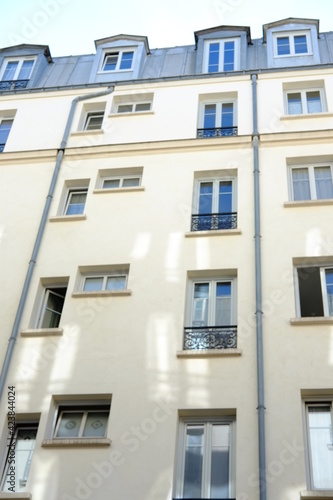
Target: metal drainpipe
x,y
12,338
260,357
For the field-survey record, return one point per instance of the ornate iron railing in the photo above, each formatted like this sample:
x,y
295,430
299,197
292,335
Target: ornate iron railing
x,y
210,337
2,147
208,222
13,84
216,132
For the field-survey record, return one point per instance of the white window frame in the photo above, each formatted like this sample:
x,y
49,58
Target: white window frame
x,y
312,182
314,402
134,107
43,303
181,447
90,115
304,102
84,410
218,117
291,35
216,182
122,179
323,289
221,42
20,61
121,273
6,119
33,425
71,191
119,52
212,281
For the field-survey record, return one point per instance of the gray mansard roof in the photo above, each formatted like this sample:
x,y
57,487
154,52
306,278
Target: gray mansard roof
x,y
169,62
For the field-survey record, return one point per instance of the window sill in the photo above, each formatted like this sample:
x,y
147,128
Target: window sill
x,y
306,115
208,353
67,218
118,190
131,113
49,443
316,495
41,332
214,232
102,293
308,203
15,496
319,320
87,132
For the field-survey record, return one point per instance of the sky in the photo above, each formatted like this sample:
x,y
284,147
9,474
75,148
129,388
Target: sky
x,y
70,27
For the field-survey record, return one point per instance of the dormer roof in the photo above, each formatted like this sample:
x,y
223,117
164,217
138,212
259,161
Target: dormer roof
x,y
290,20
207,31
117,38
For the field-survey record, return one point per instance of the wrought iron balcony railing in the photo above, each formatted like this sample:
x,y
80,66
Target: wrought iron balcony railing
x,y
2,147
210,337
13,84
208,222
217,132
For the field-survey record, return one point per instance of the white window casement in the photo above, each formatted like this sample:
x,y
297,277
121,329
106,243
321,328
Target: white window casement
x,y
132,104
75,202
221,55
94,121
314,291
5,127
121,182
51,305
81,420
287,44
218,119
214,204
319,444
20,449
138,107
205,462
102,281
118,60
16,73
307,101
112,282
311,182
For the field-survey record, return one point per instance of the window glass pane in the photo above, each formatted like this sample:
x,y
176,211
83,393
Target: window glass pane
x,y
70,424
111,62
229,56
116,283
93,284
313,102
95,425
219,483
77,201
300,44
25,70
125,108
213,58
24,447
10,70
201,304
5,127
227,115
294,104
329,289
111,183
283,47
193,461
205,198
223,304
225,197
53,308
301,184
210,116
144,106
321,451
323,179
135,181
126,60
94,121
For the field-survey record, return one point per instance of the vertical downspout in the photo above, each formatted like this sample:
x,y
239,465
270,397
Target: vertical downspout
x,y
260,357
61,151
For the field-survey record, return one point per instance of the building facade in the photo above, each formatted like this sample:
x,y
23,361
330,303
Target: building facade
x,y
167,268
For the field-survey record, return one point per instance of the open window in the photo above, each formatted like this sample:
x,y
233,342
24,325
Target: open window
x,y
315,291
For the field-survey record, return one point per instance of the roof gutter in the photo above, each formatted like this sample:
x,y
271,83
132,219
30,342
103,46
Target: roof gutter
x,y
20,309
259,329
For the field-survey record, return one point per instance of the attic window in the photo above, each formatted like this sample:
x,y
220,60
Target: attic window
x,y
288,44
121,60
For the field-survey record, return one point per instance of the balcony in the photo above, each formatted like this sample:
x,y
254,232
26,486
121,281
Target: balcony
x,y
210,222
210,337
13,84
217,132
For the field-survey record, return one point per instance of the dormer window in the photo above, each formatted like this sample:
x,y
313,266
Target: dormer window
x,y
221,55
292,44
16,73
118,61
